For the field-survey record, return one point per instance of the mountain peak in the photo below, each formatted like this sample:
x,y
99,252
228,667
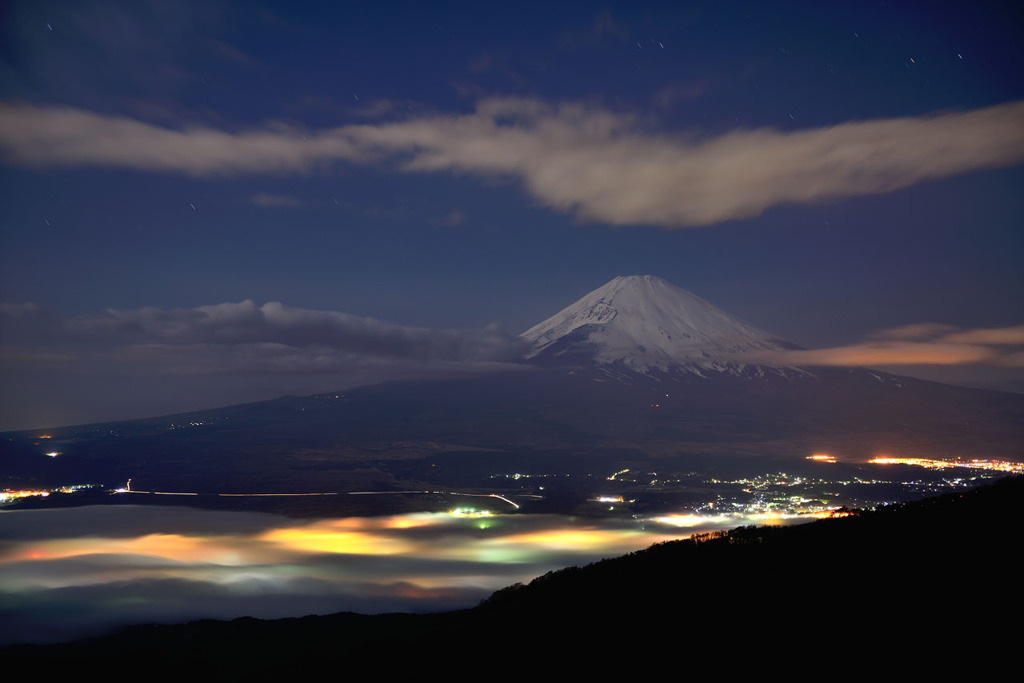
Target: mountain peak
x,y
637,280
645,323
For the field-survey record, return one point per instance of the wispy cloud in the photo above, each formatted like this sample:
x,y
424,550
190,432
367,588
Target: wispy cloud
x,y
997,335
277,201
919,344
268,329
218,355
20,357
19,311
604,167
602,27
46,136
453,218
671,96
70,573
590,162
245,339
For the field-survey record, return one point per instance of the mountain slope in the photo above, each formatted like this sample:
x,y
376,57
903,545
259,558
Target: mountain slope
x,y
637,372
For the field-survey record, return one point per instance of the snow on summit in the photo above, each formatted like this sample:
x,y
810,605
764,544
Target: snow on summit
x,y
645,323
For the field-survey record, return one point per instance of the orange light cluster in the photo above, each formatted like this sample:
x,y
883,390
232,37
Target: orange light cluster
x,y
822,457
7,494
826,514
932,464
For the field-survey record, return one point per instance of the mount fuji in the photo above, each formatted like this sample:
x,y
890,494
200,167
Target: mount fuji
x,y
638,373
643,323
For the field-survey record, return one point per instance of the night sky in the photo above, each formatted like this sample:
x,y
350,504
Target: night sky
x,y
205,203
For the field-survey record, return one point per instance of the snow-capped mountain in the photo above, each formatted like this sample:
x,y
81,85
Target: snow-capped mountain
x,y
645,323
637,374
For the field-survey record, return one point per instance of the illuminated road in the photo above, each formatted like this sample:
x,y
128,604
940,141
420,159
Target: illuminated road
x,y
128,489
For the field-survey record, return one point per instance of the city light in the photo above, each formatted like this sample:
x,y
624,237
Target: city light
x,y
469,512
933,464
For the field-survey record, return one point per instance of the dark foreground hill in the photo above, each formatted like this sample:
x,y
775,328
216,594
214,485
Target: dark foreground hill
x,y
931,585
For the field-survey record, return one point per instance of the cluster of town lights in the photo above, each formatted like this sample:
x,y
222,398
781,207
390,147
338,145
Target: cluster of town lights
x,y
933,464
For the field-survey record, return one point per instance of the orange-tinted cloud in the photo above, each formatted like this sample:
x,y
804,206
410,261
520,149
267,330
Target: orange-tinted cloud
x,y
996,336
918,344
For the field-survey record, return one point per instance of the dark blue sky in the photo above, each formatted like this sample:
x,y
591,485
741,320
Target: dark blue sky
x,y
827,171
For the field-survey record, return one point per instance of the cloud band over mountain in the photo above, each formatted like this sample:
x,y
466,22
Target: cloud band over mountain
x,y
220,354
239,351
274,325
241,337
595,164
919,344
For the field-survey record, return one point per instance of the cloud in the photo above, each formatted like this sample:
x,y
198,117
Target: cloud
x,y
18,357
41,136
22,311
997,336
919,344
453,218
120,364
140,54
590,162
916,331
74,572
282,201
220,359
600,166
603,27
274,330
670,96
